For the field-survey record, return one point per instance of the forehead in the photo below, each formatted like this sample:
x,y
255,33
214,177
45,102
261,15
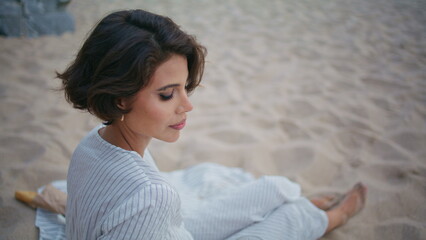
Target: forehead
x,y
173,71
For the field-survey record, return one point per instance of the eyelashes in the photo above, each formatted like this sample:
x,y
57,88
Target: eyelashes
x,y
166,97
169,96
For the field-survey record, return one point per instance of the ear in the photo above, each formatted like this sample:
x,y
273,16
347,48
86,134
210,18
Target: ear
x,y
122,103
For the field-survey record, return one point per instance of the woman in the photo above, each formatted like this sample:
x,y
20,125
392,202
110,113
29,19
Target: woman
x,y
134,72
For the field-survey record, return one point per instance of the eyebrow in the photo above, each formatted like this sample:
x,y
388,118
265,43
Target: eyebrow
x,y
168,86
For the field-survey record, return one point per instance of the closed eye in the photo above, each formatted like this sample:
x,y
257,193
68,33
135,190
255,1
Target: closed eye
x,y
166,97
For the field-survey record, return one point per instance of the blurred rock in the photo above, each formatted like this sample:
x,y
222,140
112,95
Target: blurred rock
x,y
33,18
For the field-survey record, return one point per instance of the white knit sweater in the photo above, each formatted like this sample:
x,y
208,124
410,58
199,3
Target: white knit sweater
x,y
116,194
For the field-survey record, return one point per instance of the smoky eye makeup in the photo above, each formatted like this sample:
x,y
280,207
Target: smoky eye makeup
x,y
166,95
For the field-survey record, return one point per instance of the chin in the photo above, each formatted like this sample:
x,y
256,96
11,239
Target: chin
x,y
170,139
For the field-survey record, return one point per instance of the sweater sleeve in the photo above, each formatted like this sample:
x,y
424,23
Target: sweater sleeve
x,y
152,213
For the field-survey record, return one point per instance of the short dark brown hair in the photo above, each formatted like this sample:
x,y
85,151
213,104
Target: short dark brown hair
x,y
119,58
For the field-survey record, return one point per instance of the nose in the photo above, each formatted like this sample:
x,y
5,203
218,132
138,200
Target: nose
x,y
185,104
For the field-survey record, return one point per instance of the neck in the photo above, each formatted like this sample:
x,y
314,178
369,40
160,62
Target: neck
x,y
118,134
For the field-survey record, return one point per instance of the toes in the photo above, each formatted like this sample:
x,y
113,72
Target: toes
x,y
362,189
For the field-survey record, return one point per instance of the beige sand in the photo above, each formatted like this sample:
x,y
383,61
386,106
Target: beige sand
x,y
327,93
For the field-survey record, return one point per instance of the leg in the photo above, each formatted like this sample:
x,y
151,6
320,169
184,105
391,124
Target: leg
x,y
293,220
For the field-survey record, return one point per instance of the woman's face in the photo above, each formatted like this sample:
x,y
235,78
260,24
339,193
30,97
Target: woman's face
x,y
159,109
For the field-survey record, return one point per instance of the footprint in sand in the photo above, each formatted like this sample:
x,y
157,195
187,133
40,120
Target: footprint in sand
x,y
262,122
305,53
358,111
380,85
301,109
16,112
20,150
411,141
381,103
8,223
402,229
350,141
330,119
391,175
293,130
232,136
33,81
386,152
343,68
290,161
55,113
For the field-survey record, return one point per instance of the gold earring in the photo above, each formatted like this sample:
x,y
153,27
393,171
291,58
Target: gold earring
x,y
122,117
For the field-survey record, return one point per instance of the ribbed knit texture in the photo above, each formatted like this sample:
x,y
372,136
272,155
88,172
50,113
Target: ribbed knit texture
x,y
219,202
115,194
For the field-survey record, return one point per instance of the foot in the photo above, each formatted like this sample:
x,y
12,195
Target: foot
x,y
352,203
327,201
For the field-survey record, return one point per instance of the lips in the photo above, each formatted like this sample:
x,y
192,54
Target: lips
x,y
179,126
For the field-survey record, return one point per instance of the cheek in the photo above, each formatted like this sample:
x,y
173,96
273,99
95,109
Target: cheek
x,y
158,113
